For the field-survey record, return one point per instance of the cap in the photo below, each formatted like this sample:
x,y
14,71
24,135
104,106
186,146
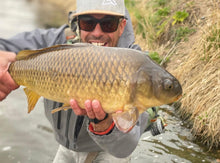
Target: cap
x,y
108,7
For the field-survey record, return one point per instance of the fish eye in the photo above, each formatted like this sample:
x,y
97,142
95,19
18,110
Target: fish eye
x,y
168,84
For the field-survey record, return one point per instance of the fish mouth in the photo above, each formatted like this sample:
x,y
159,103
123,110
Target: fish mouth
x,y
98,43
179,97
176,98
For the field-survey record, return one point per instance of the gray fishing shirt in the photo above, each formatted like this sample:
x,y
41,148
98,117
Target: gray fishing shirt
x,y
71,130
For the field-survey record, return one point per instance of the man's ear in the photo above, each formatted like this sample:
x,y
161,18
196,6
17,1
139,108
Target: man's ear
x,y
122,26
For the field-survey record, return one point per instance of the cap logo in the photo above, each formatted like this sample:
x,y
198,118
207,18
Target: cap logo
x,y
109,2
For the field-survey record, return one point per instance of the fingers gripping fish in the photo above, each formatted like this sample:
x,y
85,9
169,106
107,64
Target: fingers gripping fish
x,y
120,78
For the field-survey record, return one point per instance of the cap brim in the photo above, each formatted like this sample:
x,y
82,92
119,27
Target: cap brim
x,y
98,12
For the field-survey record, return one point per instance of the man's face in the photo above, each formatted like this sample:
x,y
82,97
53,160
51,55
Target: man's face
x,y
98,36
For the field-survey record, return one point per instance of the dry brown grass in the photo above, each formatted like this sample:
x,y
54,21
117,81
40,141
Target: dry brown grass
x,y
196,63
199,74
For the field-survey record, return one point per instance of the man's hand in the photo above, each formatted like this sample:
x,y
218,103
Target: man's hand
x,y
93,109
7,84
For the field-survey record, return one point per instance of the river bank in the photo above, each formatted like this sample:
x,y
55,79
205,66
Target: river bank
x,y
29,137
186,35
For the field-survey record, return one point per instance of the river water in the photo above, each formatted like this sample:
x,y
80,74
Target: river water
x,y
28,138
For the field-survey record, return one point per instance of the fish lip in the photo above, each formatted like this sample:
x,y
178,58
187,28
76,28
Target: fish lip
x,y
179,96
176,98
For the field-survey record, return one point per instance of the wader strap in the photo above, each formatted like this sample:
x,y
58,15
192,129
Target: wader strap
x,y
91,156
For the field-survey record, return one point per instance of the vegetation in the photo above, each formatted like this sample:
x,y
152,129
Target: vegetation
x,y
160,22
212,42
179,16
155,56
182,33
186,36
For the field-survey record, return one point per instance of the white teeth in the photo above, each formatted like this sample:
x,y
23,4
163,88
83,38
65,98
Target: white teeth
x,y
98,43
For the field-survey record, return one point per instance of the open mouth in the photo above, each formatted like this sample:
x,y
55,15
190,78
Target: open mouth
x,y
99,43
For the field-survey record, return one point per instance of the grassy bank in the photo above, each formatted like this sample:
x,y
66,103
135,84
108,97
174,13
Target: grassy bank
x,y
183,36
186,36
200,74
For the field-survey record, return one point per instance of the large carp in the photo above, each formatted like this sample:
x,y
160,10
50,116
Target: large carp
x,y
121,79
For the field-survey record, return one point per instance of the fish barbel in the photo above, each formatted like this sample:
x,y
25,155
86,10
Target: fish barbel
x,y
120,78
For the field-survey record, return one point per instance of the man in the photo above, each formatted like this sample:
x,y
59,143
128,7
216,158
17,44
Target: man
x,y
84,134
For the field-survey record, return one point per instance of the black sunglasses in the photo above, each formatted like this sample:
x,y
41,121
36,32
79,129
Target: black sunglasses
x,y
108,23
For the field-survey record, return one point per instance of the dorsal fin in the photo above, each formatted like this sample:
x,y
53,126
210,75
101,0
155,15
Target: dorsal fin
x,y
24,54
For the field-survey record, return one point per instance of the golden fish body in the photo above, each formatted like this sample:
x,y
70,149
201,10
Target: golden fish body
x,y
119,78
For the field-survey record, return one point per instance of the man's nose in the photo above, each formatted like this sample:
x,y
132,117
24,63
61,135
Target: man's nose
x,y
97,31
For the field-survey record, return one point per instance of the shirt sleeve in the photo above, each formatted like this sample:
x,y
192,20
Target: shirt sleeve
x,y
36,39
121,144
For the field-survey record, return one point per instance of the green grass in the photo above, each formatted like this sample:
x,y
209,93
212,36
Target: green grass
x,y
158,21
155,56
160,3
212,42
213,39
181,33
179,17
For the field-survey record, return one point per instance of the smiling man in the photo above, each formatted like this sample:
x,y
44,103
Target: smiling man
x,y
101,21
100,29
89,133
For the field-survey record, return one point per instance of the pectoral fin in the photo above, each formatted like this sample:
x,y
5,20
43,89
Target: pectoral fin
x,y
64,107
32,99
126,120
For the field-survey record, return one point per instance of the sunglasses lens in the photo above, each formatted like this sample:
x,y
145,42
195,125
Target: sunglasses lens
x,y
87,24
108,24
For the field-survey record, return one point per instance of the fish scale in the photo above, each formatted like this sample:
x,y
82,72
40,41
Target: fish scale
x,y
120,78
